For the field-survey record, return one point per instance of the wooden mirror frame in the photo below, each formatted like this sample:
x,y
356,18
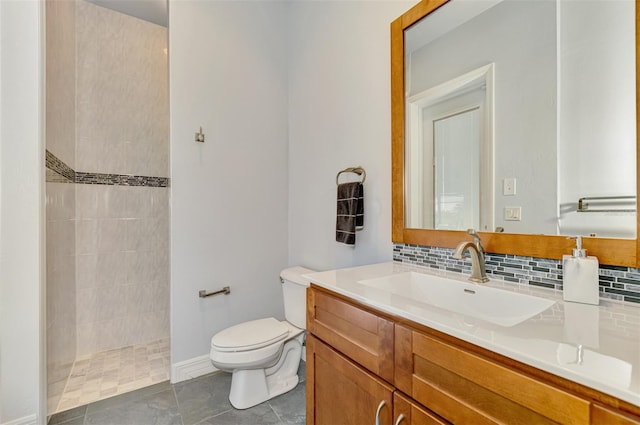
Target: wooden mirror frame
x,y
610,251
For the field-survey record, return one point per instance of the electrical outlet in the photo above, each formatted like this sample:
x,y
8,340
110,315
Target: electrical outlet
x,y
509,186
513,213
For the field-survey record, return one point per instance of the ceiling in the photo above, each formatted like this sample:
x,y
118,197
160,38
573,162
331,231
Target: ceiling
x,y
150,10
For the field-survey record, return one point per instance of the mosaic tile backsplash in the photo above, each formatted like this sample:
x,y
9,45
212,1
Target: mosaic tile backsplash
x,y
617,283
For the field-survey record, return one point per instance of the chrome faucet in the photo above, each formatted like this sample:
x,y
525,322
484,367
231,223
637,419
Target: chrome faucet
x,y
476,253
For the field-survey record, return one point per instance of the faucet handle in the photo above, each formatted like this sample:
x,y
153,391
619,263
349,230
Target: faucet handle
x,y
476,239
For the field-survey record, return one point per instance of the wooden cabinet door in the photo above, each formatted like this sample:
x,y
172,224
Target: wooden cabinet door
x,y
340,392
407,412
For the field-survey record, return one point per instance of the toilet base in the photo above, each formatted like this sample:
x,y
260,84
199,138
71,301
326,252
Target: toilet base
x,y
250,387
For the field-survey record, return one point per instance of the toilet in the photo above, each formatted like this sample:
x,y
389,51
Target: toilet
x,y
263,355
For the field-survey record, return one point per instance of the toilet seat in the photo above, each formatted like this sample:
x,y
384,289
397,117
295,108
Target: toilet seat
x,y
263,355
251,335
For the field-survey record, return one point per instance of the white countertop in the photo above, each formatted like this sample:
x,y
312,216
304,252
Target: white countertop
x,y
609,334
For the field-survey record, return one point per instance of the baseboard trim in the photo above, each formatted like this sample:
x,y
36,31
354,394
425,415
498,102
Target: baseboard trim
x,y
191,368
198,366
27,420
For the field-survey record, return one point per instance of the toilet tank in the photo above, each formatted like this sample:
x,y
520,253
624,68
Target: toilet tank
x,y
294,291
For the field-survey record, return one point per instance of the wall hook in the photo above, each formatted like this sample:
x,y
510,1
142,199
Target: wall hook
x,y
200,136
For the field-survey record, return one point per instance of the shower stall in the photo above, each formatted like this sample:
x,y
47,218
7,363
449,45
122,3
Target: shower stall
x,y
107,203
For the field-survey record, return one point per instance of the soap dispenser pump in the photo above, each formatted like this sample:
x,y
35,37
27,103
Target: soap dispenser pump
x,y
580,276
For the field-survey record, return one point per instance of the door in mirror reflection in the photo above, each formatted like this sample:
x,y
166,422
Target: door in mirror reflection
x,y
456,146
449,178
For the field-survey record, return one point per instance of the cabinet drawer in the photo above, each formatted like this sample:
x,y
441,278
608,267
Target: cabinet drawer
x,y
362,336
464,387
604,415
412,413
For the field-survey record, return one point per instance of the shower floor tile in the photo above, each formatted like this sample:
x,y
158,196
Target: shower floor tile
x,y
101,375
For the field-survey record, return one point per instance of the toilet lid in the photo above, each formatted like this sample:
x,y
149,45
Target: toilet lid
x,y
250,335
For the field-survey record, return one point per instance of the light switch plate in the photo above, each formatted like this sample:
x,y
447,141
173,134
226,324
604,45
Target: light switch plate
x,y
509,186
513,213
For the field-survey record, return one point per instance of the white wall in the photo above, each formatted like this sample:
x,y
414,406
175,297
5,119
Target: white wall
x,y
21,214
229,195
288,94
339,116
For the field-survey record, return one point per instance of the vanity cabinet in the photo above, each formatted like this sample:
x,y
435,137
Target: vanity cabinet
x,y
358,358
350,367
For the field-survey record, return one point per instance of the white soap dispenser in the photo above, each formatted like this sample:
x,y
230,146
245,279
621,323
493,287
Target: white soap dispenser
x,y
580,276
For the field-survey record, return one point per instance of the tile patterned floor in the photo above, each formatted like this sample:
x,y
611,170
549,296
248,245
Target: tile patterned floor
x,y
200,401
110,373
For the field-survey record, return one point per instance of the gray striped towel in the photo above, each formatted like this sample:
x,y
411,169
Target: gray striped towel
x,y
350,212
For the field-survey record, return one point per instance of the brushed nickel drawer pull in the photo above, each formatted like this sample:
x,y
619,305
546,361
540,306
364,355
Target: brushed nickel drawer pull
x,y
380,406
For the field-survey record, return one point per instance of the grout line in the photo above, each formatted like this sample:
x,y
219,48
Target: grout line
x,y
218,414
175,397
64,390
274,411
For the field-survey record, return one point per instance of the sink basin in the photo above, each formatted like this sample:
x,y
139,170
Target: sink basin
x,y
493,305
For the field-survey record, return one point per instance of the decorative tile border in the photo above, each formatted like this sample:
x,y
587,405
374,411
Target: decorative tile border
x,y
55,164
617,283
53,177
121,180
62,173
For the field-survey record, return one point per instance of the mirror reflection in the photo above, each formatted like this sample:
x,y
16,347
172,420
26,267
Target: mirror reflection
x,y
520,116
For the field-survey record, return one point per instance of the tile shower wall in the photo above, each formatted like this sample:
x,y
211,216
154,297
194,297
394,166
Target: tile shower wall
x,y
61,289
122,94
122,231
617,283
122,266
60,197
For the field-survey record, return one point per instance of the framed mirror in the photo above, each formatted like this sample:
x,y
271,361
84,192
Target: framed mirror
x,y
438,97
